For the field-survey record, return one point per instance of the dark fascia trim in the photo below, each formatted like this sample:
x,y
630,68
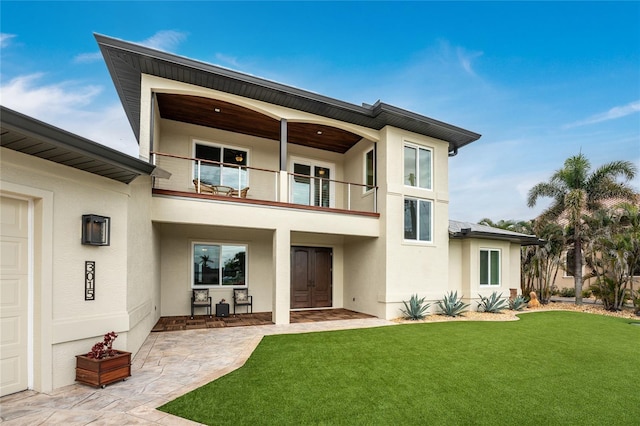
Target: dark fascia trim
x,y
376,116
30,126
524,240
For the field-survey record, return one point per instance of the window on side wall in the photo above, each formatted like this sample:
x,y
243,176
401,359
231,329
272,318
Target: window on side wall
x,y
417,166
221,265
489,267
570,263
418,220
230,173
369,171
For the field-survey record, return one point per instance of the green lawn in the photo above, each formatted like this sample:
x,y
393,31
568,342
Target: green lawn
x,y
549,368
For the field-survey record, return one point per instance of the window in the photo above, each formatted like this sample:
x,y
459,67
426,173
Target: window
x,y
636,269
312,185
417,220
570,263
228,174
219,265
417,166
489,267
369,171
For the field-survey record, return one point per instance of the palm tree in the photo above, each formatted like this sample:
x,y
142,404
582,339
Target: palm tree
x,y
576,191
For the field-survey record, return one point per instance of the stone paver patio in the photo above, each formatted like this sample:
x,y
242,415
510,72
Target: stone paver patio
x,y
168,365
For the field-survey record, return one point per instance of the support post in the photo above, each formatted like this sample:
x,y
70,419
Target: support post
x,y
281,276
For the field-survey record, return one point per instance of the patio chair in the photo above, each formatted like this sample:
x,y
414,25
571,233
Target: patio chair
x,y
241,194
201,299
205,188
242,298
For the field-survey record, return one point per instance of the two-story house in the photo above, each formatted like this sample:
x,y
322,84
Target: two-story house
x,y
307,201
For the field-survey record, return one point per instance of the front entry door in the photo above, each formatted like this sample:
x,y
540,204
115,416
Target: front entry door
x,y
311,271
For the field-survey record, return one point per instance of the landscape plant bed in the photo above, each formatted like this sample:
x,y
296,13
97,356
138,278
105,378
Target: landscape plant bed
x,y
546,368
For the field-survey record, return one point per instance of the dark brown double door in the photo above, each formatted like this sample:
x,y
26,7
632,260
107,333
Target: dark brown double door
x,y
311,271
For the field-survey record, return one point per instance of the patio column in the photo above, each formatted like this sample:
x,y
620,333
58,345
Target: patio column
x,y
283,184
281,275
283,144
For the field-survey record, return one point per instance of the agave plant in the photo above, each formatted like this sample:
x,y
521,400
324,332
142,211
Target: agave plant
x,y
415,309
518,303
451,305
492,304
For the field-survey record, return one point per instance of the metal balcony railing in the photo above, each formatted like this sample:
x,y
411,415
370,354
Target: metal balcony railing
x,y
192,175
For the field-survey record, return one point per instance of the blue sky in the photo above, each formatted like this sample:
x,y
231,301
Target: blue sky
x,y
540,81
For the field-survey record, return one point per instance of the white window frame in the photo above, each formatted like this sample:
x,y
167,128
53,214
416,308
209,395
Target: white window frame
x,y
220,285
418,240
313,164
417,147
366,189
490,250
222,147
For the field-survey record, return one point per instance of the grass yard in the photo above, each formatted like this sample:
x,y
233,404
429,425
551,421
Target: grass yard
x,y
549,368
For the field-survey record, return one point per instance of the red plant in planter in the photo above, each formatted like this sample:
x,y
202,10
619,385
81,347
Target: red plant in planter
x,y
105,348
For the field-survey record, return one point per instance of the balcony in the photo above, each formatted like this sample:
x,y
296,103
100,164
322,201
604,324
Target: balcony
x,y
197,178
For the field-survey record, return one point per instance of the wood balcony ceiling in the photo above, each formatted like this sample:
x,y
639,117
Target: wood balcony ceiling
x,y
233,118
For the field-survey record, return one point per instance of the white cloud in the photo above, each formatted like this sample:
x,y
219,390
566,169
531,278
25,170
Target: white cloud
x,y
5,39
466,58
167,40
71,106
23,94
230,60
612,114
84,58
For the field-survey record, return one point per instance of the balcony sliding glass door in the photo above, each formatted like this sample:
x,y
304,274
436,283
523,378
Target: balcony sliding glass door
x,y
311,184
231,173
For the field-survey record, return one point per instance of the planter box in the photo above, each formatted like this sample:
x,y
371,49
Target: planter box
x,y
101,372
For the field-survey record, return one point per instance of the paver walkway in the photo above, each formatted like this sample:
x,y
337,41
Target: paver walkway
x,y
168,365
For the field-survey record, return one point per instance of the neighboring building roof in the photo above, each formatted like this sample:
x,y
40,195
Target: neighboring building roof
x,y
128,61
473,230
30,136
608,203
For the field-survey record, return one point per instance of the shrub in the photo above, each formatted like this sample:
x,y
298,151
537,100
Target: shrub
x,y
586,293
636,302
568,292
415,309
451,305
609,291
518,303
492,304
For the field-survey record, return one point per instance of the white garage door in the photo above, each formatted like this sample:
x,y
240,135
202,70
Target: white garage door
x,y
14,273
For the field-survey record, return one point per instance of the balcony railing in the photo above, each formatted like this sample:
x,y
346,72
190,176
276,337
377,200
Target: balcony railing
x,y
224,180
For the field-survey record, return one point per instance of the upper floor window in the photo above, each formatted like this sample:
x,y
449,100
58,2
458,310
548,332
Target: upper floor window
x,y
489,267
219,265
229,173
369,171
417,219
417,166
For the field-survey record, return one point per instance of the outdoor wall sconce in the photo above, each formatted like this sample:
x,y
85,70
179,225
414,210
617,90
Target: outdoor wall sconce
x,y
96,230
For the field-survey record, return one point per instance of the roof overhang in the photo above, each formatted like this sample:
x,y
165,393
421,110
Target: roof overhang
x,y
30,136
128,61
462,230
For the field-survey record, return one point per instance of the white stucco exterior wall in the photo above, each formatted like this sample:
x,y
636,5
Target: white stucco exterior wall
x,y
64,323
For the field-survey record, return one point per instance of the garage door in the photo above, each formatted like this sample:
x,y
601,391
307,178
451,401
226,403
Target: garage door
x,y
14,272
